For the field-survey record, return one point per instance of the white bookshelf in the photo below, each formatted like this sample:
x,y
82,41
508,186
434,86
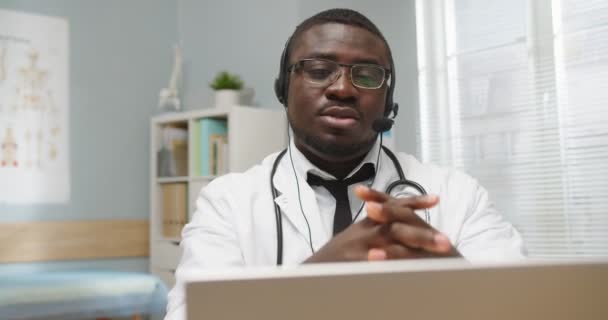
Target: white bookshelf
x,y
253,133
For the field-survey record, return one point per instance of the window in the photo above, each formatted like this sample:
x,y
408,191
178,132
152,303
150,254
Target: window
x,y
516,94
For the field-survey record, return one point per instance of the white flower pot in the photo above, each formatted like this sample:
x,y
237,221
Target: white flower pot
x,y
227,98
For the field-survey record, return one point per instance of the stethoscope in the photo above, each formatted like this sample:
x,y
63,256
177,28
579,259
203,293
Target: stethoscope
x,y
391,187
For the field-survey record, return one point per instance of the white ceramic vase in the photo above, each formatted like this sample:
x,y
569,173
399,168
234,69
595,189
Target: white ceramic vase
x,y
227,98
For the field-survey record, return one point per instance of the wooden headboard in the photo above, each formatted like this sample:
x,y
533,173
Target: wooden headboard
x,y
73,240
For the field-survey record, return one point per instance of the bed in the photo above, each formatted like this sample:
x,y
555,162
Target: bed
x,y
81,295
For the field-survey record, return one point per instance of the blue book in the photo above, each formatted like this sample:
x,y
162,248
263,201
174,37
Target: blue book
x,y
210,129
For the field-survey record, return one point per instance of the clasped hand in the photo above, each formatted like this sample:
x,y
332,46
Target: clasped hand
x,y
391,230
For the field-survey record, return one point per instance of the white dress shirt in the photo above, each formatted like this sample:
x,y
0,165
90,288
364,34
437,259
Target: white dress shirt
x,y
326,201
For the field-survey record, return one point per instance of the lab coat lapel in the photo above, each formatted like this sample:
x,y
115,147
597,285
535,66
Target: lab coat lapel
x,y
289,203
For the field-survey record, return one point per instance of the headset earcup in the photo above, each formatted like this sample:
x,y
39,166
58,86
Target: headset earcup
x,y
278,90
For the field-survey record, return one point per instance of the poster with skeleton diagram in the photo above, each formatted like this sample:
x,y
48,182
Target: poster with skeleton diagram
x,y
34,105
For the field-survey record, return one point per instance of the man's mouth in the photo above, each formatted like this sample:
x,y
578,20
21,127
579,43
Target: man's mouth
x,y
342,117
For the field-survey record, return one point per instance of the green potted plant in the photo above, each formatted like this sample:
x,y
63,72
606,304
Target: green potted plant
x,y
227,88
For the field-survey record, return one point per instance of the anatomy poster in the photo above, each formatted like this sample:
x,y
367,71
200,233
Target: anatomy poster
x,y
34,106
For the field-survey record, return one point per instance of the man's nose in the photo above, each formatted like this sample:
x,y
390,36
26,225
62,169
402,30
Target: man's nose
x,y
342,88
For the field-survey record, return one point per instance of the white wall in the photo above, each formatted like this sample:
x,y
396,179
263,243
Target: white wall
x,y
245,37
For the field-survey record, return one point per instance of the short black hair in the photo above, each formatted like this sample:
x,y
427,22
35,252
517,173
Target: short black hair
x,y
338,15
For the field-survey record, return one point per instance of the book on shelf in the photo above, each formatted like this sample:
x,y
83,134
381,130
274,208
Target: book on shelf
x,y
194,190
174,209
224,166
213,139
180,157
173,152
217,158
196,143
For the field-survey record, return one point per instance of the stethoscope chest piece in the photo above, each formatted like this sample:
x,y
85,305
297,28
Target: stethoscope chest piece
x,y
407,188
404,190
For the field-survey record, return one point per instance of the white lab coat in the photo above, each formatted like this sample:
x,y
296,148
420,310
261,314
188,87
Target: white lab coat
x,y
234,224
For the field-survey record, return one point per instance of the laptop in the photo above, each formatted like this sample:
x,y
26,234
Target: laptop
x,y
443,289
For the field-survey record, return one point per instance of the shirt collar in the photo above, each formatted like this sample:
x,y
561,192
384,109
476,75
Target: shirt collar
x,y
303,165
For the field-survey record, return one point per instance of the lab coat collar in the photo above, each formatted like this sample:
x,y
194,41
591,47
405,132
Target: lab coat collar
x,y
303,165
291,198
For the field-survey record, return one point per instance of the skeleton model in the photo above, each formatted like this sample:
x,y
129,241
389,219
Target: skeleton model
x,y
169,97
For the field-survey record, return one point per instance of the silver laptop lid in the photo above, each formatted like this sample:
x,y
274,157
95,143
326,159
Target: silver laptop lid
x,y
443,289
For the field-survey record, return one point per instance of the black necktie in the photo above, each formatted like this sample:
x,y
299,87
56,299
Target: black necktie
x,y
339,189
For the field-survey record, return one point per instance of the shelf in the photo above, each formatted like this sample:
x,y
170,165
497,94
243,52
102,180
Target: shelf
x,y
172,240
184,179
193,115
171,179
201,178
252,135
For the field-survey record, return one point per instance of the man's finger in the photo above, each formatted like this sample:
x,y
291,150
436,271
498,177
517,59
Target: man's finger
x,y
376,254
398,251
420,238
368,194
400,209
416,202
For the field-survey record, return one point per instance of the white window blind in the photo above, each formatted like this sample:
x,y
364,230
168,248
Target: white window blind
x,y
516,94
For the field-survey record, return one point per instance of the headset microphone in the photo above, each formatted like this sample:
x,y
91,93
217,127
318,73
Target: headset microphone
x,y
385,123
382,124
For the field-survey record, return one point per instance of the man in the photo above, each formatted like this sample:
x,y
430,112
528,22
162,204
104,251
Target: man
x,y
335,82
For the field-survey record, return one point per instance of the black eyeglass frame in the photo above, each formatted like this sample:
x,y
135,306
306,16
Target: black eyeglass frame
x,y
387,72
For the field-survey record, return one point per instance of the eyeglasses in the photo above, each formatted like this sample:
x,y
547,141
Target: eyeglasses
x,y
325,72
